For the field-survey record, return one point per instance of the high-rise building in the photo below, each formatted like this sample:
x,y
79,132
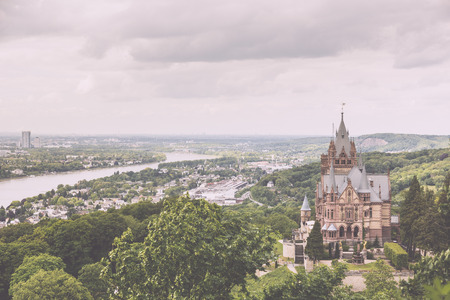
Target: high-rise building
x,y
26,139
37,142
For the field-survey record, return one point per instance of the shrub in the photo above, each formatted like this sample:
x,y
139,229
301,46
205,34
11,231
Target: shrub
x,y
376,243
396,255
370,255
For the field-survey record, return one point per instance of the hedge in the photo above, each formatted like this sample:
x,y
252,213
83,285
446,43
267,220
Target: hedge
x,y
396,255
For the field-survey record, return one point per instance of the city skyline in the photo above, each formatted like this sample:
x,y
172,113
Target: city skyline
x,y
214,68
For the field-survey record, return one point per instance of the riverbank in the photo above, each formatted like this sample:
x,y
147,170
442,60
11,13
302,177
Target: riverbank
x,y
21,188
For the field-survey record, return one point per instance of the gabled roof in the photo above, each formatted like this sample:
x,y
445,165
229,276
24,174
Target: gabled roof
x,y
324,227
305,205
332,228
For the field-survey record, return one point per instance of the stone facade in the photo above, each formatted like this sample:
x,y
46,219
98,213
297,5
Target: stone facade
x,y
348,200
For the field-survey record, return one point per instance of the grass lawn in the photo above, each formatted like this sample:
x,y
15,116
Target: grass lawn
x,y
278,248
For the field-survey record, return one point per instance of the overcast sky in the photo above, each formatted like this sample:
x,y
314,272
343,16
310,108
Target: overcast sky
x,y
224,67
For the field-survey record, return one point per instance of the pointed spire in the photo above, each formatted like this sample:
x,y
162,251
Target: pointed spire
x,y
305,205
332,178
360,161
364,182
342,139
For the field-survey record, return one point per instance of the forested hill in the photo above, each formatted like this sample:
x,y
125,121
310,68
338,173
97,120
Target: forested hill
x,y
430,167
312,147
393,142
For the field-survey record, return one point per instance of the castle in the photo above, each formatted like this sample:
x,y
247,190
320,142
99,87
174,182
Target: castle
x,y
351,205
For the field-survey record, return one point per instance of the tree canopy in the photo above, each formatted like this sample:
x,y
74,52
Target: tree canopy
x,y
50,285
32,264
192,250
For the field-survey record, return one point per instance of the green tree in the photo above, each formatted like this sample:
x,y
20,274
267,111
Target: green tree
x,y
32,264
89,276
435,237
410,212
444,209
425,271
322,283
314,243
55,284
282,224
380,283
12,255
192,251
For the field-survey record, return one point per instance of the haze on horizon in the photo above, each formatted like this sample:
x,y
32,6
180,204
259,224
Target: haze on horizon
x,y
224,67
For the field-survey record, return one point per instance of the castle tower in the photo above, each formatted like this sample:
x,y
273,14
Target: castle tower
x,y
305,212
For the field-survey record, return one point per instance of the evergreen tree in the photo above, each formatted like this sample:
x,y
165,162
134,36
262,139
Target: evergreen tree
x,y
434,238
444,209
314,243
410,212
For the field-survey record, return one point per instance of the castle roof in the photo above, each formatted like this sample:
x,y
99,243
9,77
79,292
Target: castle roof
x,y
380,183
305,205
363,182
342,139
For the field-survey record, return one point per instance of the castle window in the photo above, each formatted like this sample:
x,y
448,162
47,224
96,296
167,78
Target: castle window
x,y
332,213
341,232
342,213
336,162
370,212
365,213
356,213
356,231
349,161
349,195
343,161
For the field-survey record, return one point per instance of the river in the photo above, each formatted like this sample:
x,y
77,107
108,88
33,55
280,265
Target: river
x,y
20,188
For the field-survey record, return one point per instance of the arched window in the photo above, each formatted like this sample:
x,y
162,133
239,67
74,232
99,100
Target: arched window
x,y
356,231
332,213
356,213
341,231
342,213
370,212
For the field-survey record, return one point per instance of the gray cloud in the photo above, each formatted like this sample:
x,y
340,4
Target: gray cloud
x,y
237,66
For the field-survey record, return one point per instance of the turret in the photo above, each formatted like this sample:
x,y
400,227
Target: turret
x,y
305,211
